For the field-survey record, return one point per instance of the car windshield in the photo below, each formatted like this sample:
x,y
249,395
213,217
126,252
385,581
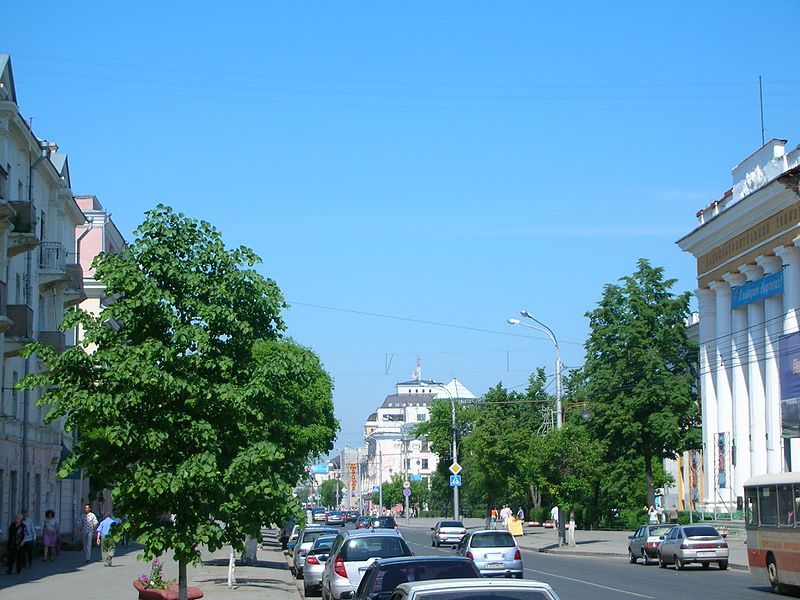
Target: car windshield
x,y
364,548
391,576
386,522
323,543
478,594
312,535
451,524
495,539
659,530
700,531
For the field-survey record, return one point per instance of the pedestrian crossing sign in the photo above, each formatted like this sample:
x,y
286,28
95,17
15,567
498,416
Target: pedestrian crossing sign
x,y
455,480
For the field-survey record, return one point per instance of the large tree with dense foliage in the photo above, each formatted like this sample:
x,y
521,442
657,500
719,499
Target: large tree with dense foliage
x,y
640,371
329,490
192,406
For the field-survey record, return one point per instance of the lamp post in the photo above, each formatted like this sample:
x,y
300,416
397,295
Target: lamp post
x,y
455,451
544,328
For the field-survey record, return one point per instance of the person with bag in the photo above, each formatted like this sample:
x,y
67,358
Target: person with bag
x,y
16,544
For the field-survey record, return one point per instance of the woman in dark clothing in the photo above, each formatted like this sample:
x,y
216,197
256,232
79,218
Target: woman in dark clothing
x,y
16,543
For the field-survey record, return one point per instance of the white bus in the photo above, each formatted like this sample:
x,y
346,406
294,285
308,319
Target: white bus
x,y
771,504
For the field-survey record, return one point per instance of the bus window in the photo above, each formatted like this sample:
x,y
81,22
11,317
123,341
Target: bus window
x,y
768,505
786,505
751,506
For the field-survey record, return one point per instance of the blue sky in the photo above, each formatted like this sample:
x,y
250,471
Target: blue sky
x,y
447,162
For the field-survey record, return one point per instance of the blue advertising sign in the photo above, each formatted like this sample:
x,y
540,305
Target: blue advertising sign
x,y
753,291
319,469
789,369
455,480
416,477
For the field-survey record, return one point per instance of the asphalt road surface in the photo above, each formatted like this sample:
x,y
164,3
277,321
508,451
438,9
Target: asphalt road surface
x,y
606,578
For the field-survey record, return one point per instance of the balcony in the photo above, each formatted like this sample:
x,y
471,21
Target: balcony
x,y
74,292
20,332
52,264
56,339
23,237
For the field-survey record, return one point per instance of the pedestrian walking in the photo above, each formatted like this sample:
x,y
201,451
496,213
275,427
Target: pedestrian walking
x,y
660,513
87,526
554,516
505,515
107,544
30,537
520,514
50,534
16,544
493,515
673,514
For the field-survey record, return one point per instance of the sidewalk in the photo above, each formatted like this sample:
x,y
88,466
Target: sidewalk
x,y
70,577
588,543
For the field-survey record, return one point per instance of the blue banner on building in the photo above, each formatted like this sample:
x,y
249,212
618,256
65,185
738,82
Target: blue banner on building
x,y
320,469
789,365
753,291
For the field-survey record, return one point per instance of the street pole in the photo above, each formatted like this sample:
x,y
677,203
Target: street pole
x,y
559,423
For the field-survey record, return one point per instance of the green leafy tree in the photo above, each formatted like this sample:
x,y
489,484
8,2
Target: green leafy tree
x,y
393,492
640,372
327,492
194,407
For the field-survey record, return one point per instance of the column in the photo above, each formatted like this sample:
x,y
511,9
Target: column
x,y
755,377
720,483
740,444
790,255
773,326
707,303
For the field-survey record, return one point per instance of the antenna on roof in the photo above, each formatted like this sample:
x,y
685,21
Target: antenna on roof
x,y
761,103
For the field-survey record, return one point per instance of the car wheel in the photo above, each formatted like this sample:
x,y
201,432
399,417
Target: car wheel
x,y
518,575
307,591
679,564
661,562
706,565
298,573
772,575
645,558
631,557
723,565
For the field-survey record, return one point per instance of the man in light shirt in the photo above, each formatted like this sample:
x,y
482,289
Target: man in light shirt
x,y
30,537
87,525
107,545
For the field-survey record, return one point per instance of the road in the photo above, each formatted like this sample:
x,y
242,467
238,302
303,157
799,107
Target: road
x,y
606,578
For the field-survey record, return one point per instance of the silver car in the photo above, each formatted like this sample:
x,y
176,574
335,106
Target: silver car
x,y
645,542
686,544
304,542
351,554
448,533
315,564
465,589
494,551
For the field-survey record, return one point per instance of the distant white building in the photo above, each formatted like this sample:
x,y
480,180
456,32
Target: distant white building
x,y
391,447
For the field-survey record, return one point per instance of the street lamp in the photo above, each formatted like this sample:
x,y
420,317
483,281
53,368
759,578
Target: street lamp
x,y
545,329
455,451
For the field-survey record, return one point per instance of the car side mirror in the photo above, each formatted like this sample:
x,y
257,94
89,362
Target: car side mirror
x,y
630,537
432,528
662,537
347,595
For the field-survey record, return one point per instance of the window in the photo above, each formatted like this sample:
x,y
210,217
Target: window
x,y
786,505
3,184
421,416
12,490
15,412
768,505
425,464
406,464
751,506
426,446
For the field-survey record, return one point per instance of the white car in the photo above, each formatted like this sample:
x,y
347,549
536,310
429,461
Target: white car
x,y
464,589
448,533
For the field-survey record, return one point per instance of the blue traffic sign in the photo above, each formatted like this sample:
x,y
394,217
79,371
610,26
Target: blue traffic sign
x,y
455,480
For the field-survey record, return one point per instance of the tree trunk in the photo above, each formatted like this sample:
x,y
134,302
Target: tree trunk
x,y
648,474
182,581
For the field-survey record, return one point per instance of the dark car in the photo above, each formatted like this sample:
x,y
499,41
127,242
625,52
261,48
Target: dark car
x,y
385,574
336,517
352,516
363,522
383,523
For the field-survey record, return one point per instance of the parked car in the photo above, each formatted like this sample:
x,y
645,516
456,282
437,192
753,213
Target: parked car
x,y
465,589
645,542
290,544
385,574
447,532
315,564
494,551
285,532
318,513
383,523
363,522
352,516
685,544
304,543
352,552
336,517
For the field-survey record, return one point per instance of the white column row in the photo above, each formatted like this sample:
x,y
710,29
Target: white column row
x,y
740,391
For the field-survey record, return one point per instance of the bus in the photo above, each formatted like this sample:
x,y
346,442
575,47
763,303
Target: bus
x,y
771,503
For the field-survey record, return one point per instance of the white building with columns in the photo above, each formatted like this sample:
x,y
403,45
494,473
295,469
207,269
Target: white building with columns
x,y
747,246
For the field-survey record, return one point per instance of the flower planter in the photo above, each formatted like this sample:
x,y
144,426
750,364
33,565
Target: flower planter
x,y
171,593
